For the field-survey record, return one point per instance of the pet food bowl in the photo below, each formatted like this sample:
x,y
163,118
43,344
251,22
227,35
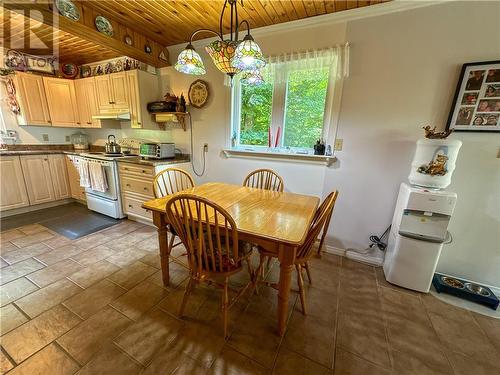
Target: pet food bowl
x,y
478,289
451,281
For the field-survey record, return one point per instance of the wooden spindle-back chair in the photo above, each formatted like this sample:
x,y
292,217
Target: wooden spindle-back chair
x,y
210,236
304,252
264,179
168,182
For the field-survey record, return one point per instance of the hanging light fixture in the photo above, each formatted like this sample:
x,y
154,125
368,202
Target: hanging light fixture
x,y
230,56
253,77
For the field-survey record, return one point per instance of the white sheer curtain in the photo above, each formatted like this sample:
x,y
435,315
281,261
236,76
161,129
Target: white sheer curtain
x,y
334,58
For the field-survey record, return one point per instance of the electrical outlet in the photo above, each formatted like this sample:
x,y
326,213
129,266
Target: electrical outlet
x,y
45,137
205,147
338,144
67,138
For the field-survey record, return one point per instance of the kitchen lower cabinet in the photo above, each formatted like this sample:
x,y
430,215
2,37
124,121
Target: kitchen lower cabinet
x,y
77,191
59,176
36,171
13,192
136,182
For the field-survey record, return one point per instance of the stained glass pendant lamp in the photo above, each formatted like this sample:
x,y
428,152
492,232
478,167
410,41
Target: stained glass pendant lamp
x,y
252,78
230,56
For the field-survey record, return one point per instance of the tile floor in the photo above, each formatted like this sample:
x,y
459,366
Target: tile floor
x,y
96,305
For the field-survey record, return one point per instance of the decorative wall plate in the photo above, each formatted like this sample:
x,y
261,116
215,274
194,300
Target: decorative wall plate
x,y
147,48
103,25
69,70
85,71
128,40
68,9
163,56
198,93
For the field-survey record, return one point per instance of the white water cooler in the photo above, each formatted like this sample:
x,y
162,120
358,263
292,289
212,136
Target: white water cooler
x,y
419,228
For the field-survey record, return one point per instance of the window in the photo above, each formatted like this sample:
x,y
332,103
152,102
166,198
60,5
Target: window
x,y
292,111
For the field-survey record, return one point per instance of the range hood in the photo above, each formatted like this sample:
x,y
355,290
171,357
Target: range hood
x,y
113,116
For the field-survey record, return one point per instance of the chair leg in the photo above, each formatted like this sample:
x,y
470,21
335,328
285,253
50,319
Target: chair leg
x,y
170,243
300,282
225,305
259,273
187,292
306,266
268,263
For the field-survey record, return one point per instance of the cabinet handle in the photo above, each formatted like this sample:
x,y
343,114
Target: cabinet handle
x,y
130,206
89,123
138,123
78,123
49,121
128,185
146,188
143,171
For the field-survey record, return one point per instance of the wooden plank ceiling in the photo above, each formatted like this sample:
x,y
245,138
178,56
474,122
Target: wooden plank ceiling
x,y
171,22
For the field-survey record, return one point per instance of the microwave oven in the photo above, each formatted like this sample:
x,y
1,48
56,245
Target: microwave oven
x,y
157,150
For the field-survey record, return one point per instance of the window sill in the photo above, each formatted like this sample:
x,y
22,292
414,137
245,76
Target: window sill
x,y
287,156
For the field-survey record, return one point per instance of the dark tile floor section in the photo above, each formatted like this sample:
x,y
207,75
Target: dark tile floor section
x,y
72,220
97,305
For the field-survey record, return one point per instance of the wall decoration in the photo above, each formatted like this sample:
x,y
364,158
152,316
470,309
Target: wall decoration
x,y
69,70
20,61
198,93
128,40
103,25
85,71
110,66
476,105
147,48
163,56
68,9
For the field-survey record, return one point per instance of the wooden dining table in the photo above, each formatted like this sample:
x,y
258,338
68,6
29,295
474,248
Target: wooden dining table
x,y
278,221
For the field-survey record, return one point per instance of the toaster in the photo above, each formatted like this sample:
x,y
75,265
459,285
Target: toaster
x,y
157,150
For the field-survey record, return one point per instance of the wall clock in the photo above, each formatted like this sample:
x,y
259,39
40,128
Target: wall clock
x,y
198,93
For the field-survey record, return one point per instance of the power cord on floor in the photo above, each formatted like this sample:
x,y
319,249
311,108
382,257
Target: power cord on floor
x,y
192,153
376,240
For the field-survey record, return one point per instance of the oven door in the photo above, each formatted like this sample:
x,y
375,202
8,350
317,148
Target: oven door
x,y
111,178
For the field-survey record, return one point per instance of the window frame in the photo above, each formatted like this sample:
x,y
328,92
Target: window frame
x,y
278,113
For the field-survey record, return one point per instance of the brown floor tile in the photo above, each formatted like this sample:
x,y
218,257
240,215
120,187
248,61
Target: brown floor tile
x,y
93,273
58,254
407,364
178,275
289,362
5,363
436,306
18,270
126,257
168,361
364,335
151,332
94,298
491,327
3,263
132,275
57,241
10,318
46,298
172,302
6,247
466,338
50,360
137,236
110,361
33,238
398,305
465,365
349,364
10,235
90,241
325,262
152,259
86,339
55,272
32,229
23,253
150,244
93,255
190,367
16,289
39,332
139,299
230,362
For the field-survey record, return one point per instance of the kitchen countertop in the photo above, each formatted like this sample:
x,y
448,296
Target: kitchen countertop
x,y
155,162
38,152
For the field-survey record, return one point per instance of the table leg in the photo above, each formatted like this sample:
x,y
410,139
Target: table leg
x,y
286,256
160,222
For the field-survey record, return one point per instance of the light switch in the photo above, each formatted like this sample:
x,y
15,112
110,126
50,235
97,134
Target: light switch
x,y
45,137
67,138
338,144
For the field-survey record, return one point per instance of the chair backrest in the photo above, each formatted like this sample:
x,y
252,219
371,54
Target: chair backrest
x,y
208,232
264,179
171,181
322,214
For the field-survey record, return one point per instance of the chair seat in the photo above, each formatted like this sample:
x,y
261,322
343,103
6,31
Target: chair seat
x,y
228,264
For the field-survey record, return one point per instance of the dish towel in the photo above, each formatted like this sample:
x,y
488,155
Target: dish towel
x,y
98,181
83,171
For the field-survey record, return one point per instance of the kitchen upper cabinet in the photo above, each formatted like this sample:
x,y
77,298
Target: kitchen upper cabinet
x,y
13,192
36,170
59,176
30,94
112,93
143,88
86,97
61,99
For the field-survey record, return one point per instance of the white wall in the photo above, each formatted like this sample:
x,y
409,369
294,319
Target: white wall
x,y
404,68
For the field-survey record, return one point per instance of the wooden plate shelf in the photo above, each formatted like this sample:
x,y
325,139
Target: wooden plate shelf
x,y
164,117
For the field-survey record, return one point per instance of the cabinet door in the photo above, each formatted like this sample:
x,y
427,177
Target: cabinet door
x,y
134,99
61,99
59,177
103,94
77,191
119,88
12,188
36,171
87,102
31,95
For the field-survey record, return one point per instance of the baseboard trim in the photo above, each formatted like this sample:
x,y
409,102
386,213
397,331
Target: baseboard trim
x,y
334,250
37,207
